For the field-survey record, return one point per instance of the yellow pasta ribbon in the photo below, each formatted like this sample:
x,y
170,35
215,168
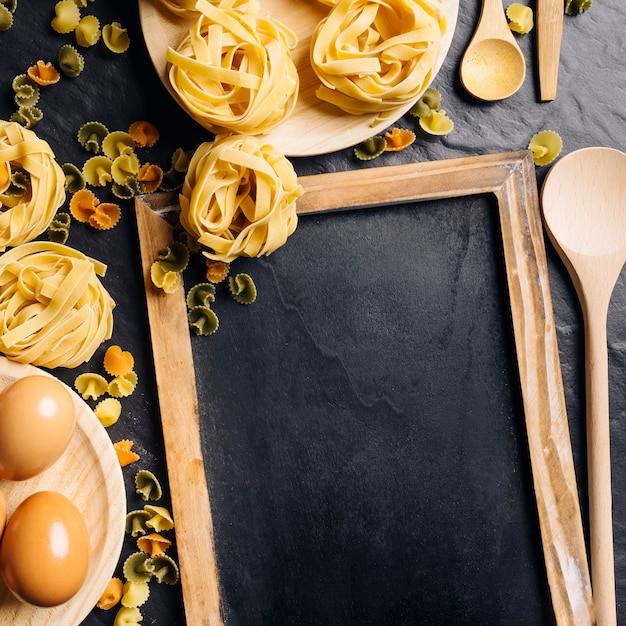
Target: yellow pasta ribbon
x,y
234,70
54,312
239,198
21,149
373,56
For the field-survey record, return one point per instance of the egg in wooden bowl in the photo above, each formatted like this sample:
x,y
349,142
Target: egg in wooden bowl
x,y
85,497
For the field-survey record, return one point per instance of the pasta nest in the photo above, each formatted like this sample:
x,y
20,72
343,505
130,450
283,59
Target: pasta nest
x,y
54,312
234,71
26,213
239,198
373,56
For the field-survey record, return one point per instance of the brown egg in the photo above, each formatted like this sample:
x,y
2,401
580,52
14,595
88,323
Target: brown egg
x,y
45,551
37,419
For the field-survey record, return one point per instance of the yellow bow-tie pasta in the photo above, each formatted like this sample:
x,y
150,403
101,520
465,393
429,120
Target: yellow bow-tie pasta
x,y
234,70
54,312
373,56
239,198
27,208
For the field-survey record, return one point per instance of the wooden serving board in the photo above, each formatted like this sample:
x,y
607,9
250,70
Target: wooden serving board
x,y
89,474
314,127
511,178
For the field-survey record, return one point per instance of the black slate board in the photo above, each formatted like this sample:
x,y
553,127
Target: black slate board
x,y
363,431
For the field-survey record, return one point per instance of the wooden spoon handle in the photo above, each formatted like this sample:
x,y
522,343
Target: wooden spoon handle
x,y
599,466
549,35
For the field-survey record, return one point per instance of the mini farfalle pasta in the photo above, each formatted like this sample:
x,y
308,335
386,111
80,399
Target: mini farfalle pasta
x,y
128,616
124,167
201,294
97,170
545,147
74,179
135,594
165,569
174,257
203,320
145,134
71,61
27,116
54,311
160,518
124,451
105,216
91,135
150,176
153,544
135,524
23,220
123,386
398,139
26,90
371,148
242,288
520,18
138,567
373,56
163,279
44,73
111,595
115,37
216,271
147,485
116,143
128,190
118,362
66,16
437,123
87,31
83,203
234,70
108,411
90,385
6,18
239,198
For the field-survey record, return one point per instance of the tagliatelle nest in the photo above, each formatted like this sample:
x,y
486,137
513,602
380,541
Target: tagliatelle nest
x,y
234,69
373,56
24,216
54,311
239,198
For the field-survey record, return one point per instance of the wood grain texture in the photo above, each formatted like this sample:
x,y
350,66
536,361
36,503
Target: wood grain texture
x,y
549,35
89,474
511,177
178,403
314,127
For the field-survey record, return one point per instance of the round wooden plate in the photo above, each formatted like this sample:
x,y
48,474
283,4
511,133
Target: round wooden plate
x,y
314,127
90,475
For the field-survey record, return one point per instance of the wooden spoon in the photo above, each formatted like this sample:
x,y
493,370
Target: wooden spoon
x,y
493,66
584,207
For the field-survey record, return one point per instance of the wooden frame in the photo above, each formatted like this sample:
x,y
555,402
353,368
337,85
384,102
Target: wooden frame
x,y
511,177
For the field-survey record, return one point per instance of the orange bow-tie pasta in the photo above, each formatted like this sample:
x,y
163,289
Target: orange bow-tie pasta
x,y
373,56
31,185
234,70
54,312
239,198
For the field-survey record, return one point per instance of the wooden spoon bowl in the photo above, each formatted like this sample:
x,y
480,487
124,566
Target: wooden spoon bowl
x,y
493,66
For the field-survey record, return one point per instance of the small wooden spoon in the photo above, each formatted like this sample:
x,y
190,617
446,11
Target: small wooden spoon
x,y
493,66
584,207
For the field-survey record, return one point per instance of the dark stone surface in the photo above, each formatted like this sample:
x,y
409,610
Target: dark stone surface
x,y
382,477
